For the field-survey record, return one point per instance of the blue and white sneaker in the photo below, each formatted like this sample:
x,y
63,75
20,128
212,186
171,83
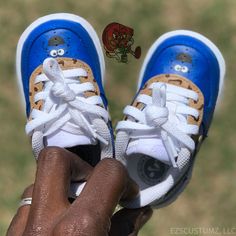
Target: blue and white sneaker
x,y
60,69
179,85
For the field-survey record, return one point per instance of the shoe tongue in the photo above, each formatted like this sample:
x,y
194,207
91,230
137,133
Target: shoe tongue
x,y
150,147
65,139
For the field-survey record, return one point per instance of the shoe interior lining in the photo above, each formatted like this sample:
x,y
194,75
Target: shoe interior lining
x,y
145,170
88,153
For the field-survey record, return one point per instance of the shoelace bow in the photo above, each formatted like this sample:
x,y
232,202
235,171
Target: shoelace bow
x,y
157,117
71,109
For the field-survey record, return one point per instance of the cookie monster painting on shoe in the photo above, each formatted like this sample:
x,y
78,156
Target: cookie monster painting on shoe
x,y
179,85
60,69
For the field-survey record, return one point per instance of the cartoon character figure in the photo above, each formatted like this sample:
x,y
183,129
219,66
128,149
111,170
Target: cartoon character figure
x,y
56,46
117,40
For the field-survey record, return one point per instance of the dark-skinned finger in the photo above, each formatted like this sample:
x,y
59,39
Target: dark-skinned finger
x,y
56,168
19,221
91,212
128,222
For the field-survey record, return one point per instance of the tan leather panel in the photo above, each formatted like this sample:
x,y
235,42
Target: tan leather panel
x,y
179,81
35,88
65,64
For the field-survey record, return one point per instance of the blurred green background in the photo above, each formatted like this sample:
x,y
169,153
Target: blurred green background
x,y
210,199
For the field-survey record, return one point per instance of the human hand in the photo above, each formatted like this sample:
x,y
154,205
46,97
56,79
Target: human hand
x,y
91,214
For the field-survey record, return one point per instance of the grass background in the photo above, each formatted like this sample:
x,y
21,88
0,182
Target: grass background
x,y
210,199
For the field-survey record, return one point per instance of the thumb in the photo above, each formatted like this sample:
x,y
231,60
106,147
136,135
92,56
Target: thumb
x,y
128,222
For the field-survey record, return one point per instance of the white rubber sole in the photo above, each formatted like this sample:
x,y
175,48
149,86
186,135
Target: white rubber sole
x,y
198,36
58,16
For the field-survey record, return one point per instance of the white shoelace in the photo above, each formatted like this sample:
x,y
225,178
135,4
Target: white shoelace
x,y
164,116
65,106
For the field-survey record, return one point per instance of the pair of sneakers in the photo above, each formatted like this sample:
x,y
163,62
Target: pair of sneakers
x,y
60,70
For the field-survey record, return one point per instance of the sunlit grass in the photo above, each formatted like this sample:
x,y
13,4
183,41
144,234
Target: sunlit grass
x,y
210,198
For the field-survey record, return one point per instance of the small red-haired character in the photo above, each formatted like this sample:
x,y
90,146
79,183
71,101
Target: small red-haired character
x,y
117,40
